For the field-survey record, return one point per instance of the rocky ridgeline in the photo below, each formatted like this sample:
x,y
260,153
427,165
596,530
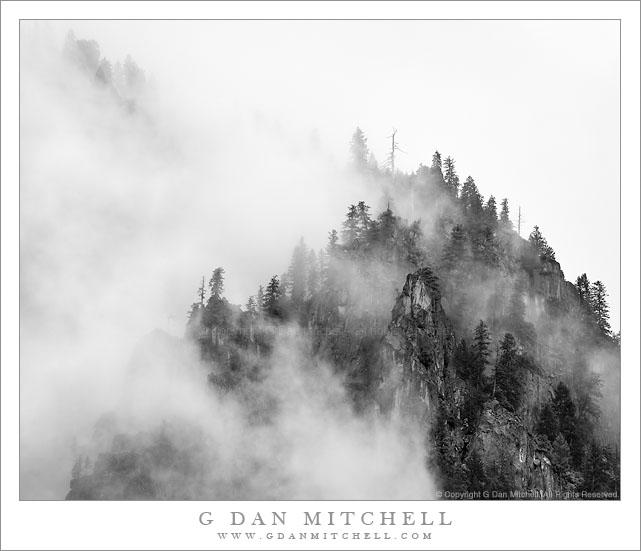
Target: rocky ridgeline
x,y
418,378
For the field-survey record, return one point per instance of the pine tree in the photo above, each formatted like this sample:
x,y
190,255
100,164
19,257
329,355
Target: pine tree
x,y
508,376
505,215
583,288
363,225
455,252
387,229
359,150
272,299
350,227
490,213
482,341
471,199
332,242
217,311
565,412
541,245
250,307
450,177
436,161
216,283
600,308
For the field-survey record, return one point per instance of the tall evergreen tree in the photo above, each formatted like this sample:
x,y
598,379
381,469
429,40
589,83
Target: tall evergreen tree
x,y
541,245
482,341
505,215
600,308
508,374
363,224
491,218
436,161
272,298
217,312
471,199
565,412
251,307
350,227
456,251
216,282
451,177
359,150
332,242
583,288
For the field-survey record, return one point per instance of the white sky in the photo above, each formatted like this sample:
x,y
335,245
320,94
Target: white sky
x,y
530,109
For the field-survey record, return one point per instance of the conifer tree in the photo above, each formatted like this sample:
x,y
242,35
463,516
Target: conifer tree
x,y
561,457
455,251
505,215
387,227
541,245
217,311
359,150
272,298
508,375
363,224
565,412
583,288
471,199
490,212
332,242
350,227
216,283
450,177
250,307
482,341
436,161
599,307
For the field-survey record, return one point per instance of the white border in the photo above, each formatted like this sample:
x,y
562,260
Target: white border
x,y
520,525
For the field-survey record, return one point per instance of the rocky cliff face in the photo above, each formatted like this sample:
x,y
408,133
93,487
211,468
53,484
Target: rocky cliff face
x,y
547,282
417,349
417,376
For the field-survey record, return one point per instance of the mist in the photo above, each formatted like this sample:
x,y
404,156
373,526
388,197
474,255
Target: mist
x,y
128,198
121,214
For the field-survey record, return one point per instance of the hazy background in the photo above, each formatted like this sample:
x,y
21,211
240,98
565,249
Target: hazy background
x,y
243,153
530,109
